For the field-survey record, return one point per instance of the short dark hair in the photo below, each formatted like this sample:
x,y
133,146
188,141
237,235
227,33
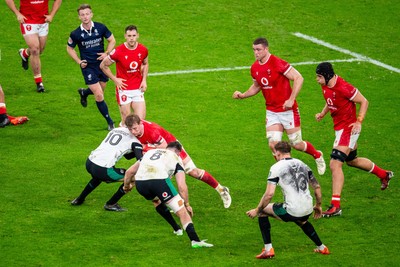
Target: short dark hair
x,y
262,41
283,147
131,28
176,145
84,6
132,119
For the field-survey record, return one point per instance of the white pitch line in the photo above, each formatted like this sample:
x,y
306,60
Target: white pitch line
x,y
244,67
345,51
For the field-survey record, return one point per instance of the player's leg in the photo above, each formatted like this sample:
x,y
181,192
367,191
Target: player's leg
x,y
206,177
97,89
139,108
33,51
115,175
338,157
96,172
4,121
265,229
124,110
309,230
291,123
177,205
274,130
367,165
163,210
138,104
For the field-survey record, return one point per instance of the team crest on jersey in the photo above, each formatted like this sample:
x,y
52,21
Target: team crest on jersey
x,y
269,72
28,28
123,98
96,32
82,35
165,195
89,77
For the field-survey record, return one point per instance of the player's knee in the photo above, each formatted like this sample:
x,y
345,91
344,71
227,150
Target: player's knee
x,y
338,155
296,140
350,160
34,51
273,138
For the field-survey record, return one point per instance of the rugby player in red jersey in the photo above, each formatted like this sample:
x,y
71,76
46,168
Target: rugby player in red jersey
x,y
341,99
34,19
272,76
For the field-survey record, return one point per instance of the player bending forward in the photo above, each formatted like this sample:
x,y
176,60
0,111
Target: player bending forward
x,y
294,177
152,177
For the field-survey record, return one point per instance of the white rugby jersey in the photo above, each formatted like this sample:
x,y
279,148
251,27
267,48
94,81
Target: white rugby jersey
x,y
158,164
293,176
117,143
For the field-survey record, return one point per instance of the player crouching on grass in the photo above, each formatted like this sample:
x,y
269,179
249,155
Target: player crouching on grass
x,y
294,178
152,177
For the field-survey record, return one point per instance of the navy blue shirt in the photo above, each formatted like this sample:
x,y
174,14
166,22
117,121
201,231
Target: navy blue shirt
x,y
90,42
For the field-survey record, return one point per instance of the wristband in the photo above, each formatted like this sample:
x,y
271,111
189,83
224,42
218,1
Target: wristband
x,y
187,204
360,119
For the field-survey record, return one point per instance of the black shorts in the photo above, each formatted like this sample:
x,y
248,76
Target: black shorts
x,y
93,74
108,175
281,212
161,188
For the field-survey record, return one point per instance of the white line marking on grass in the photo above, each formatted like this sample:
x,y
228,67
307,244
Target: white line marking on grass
x,y
345,51
243,67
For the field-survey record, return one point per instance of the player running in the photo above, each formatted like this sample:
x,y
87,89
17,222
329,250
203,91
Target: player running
x,y
341,99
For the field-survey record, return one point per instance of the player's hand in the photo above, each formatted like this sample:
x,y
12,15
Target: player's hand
x,y
190,211
252,213
21,18
317,212
236,95
119,83
83,64
143,86
356,127
49,18
128,187
318,116
288,104
101,56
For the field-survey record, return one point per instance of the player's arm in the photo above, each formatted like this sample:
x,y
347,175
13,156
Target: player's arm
x,y
11,5
129,178
72,53
359,99
253,90
362,111
160,144
312,181
265,200
322,114
145,72
110,46
137,151
298,80
105,67
54,9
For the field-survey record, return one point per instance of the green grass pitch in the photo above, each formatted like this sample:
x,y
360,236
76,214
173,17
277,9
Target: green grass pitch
x,y
42,162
